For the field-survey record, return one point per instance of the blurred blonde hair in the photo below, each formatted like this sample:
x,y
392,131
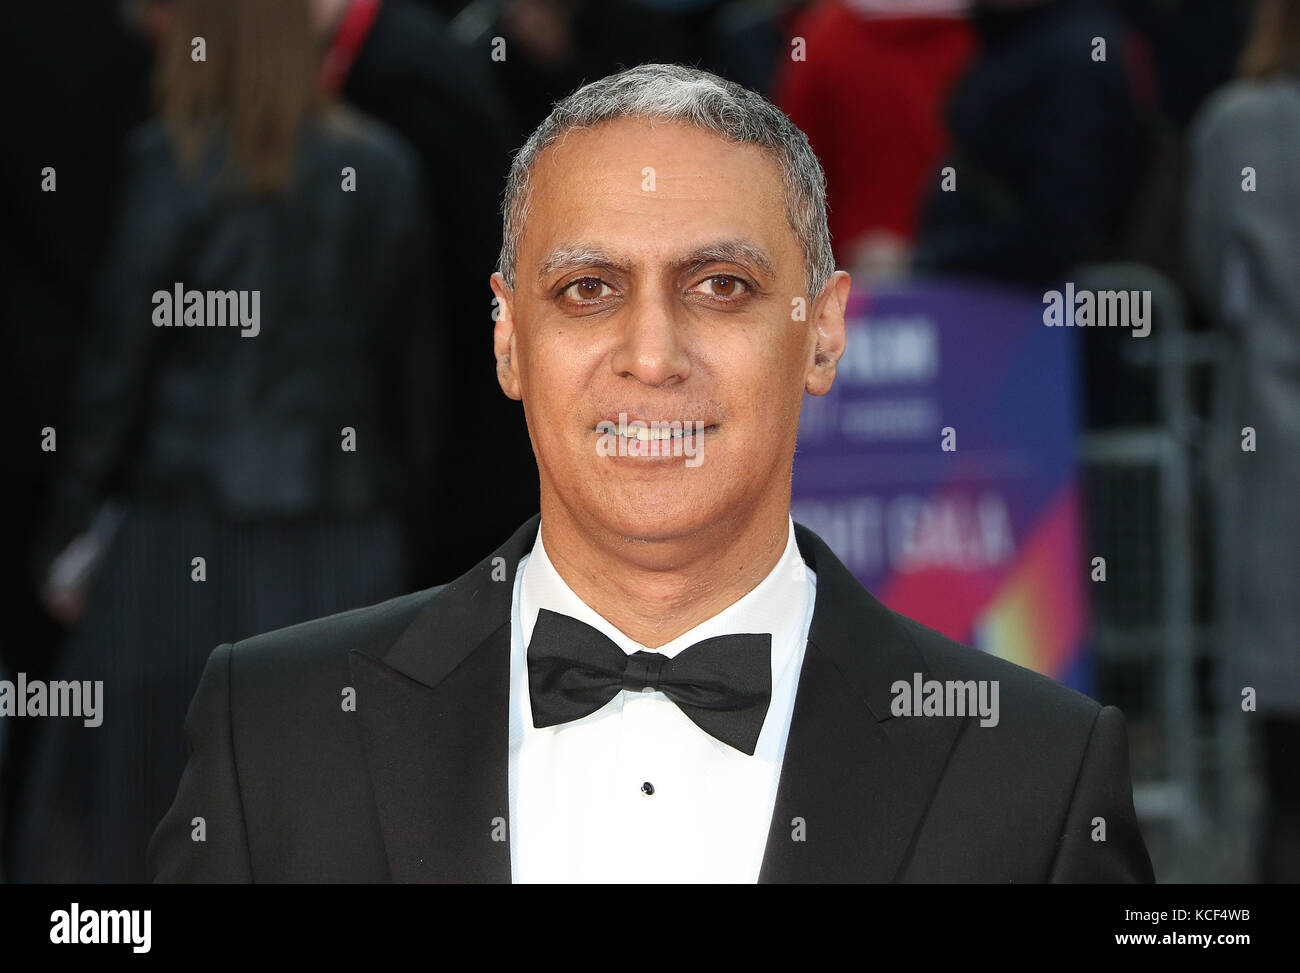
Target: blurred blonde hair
x,y
1273,47
258,85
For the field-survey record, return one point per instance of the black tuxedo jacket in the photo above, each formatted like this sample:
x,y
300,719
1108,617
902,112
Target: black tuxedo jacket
x,y
288,782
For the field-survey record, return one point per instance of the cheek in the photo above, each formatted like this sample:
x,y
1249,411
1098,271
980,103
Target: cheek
x,y
555,379
774,368
774,394
540,363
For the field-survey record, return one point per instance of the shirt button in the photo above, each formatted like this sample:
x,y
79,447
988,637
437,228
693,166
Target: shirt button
x,y
647,788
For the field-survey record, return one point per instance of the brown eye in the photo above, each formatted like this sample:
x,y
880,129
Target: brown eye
x,y
724,286
587,289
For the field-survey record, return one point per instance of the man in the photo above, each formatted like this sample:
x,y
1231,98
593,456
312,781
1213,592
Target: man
x,y
663,677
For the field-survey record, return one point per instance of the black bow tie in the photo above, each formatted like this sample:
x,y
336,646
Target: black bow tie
x,y
723,684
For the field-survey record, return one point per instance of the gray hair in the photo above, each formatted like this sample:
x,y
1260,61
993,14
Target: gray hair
x,y
688,95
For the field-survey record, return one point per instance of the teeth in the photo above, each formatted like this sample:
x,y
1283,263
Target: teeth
x,y
645,435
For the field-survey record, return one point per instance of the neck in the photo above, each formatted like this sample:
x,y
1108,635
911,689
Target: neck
x,y
654,591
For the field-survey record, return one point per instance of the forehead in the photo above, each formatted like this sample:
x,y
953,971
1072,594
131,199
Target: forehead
x,y
647,190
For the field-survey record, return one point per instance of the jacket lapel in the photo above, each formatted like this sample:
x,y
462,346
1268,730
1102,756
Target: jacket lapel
x,y
434,717
855,781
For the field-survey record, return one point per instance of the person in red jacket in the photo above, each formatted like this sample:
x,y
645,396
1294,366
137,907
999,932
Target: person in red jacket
x,y
869,92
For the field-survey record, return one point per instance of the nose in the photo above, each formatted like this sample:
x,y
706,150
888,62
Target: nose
x,y
651,348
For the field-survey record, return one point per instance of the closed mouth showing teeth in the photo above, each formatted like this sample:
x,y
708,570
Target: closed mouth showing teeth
x,y
645,435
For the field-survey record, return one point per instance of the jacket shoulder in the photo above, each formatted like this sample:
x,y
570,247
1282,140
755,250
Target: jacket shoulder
x,y
322,645
1020,797
349,133
1242,108
1036,698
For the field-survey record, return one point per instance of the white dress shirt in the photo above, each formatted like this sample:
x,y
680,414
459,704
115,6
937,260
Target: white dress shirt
x,y
579,807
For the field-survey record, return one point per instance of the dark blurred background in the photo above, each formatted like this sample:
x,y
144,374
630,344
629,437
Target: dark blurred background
x,y
122,174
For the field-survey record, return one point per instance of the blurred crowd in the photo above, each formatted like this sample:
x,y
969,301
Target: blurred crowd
x,y
345,160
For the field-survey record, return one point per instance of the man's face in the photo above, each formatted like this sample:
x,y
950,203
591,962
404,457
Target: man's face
x,y
658,277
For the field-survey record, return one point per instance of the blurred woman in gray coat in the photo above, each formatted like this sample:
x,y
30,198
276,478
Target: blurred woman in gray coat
x,y
1243,241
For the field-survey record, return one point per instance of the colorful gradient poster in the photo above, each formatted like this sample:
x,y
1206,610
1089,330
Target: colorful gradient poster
x,y
941,469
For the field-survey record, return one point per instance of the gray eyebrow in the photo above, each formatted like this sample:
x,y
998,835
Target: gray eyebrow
x,y
721,251
730,251
575,256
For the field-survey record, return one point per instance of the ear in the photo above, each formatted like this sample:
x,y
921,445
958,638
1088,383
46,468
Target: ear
x,y
503,339
828,322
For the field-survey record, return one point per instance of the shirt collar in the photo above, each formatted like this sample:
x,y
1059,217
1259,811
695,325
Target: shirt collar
x,y
778,605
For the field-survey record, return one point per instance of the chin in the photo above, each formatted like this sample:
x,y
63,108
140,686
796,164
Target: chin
x,y
660,511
